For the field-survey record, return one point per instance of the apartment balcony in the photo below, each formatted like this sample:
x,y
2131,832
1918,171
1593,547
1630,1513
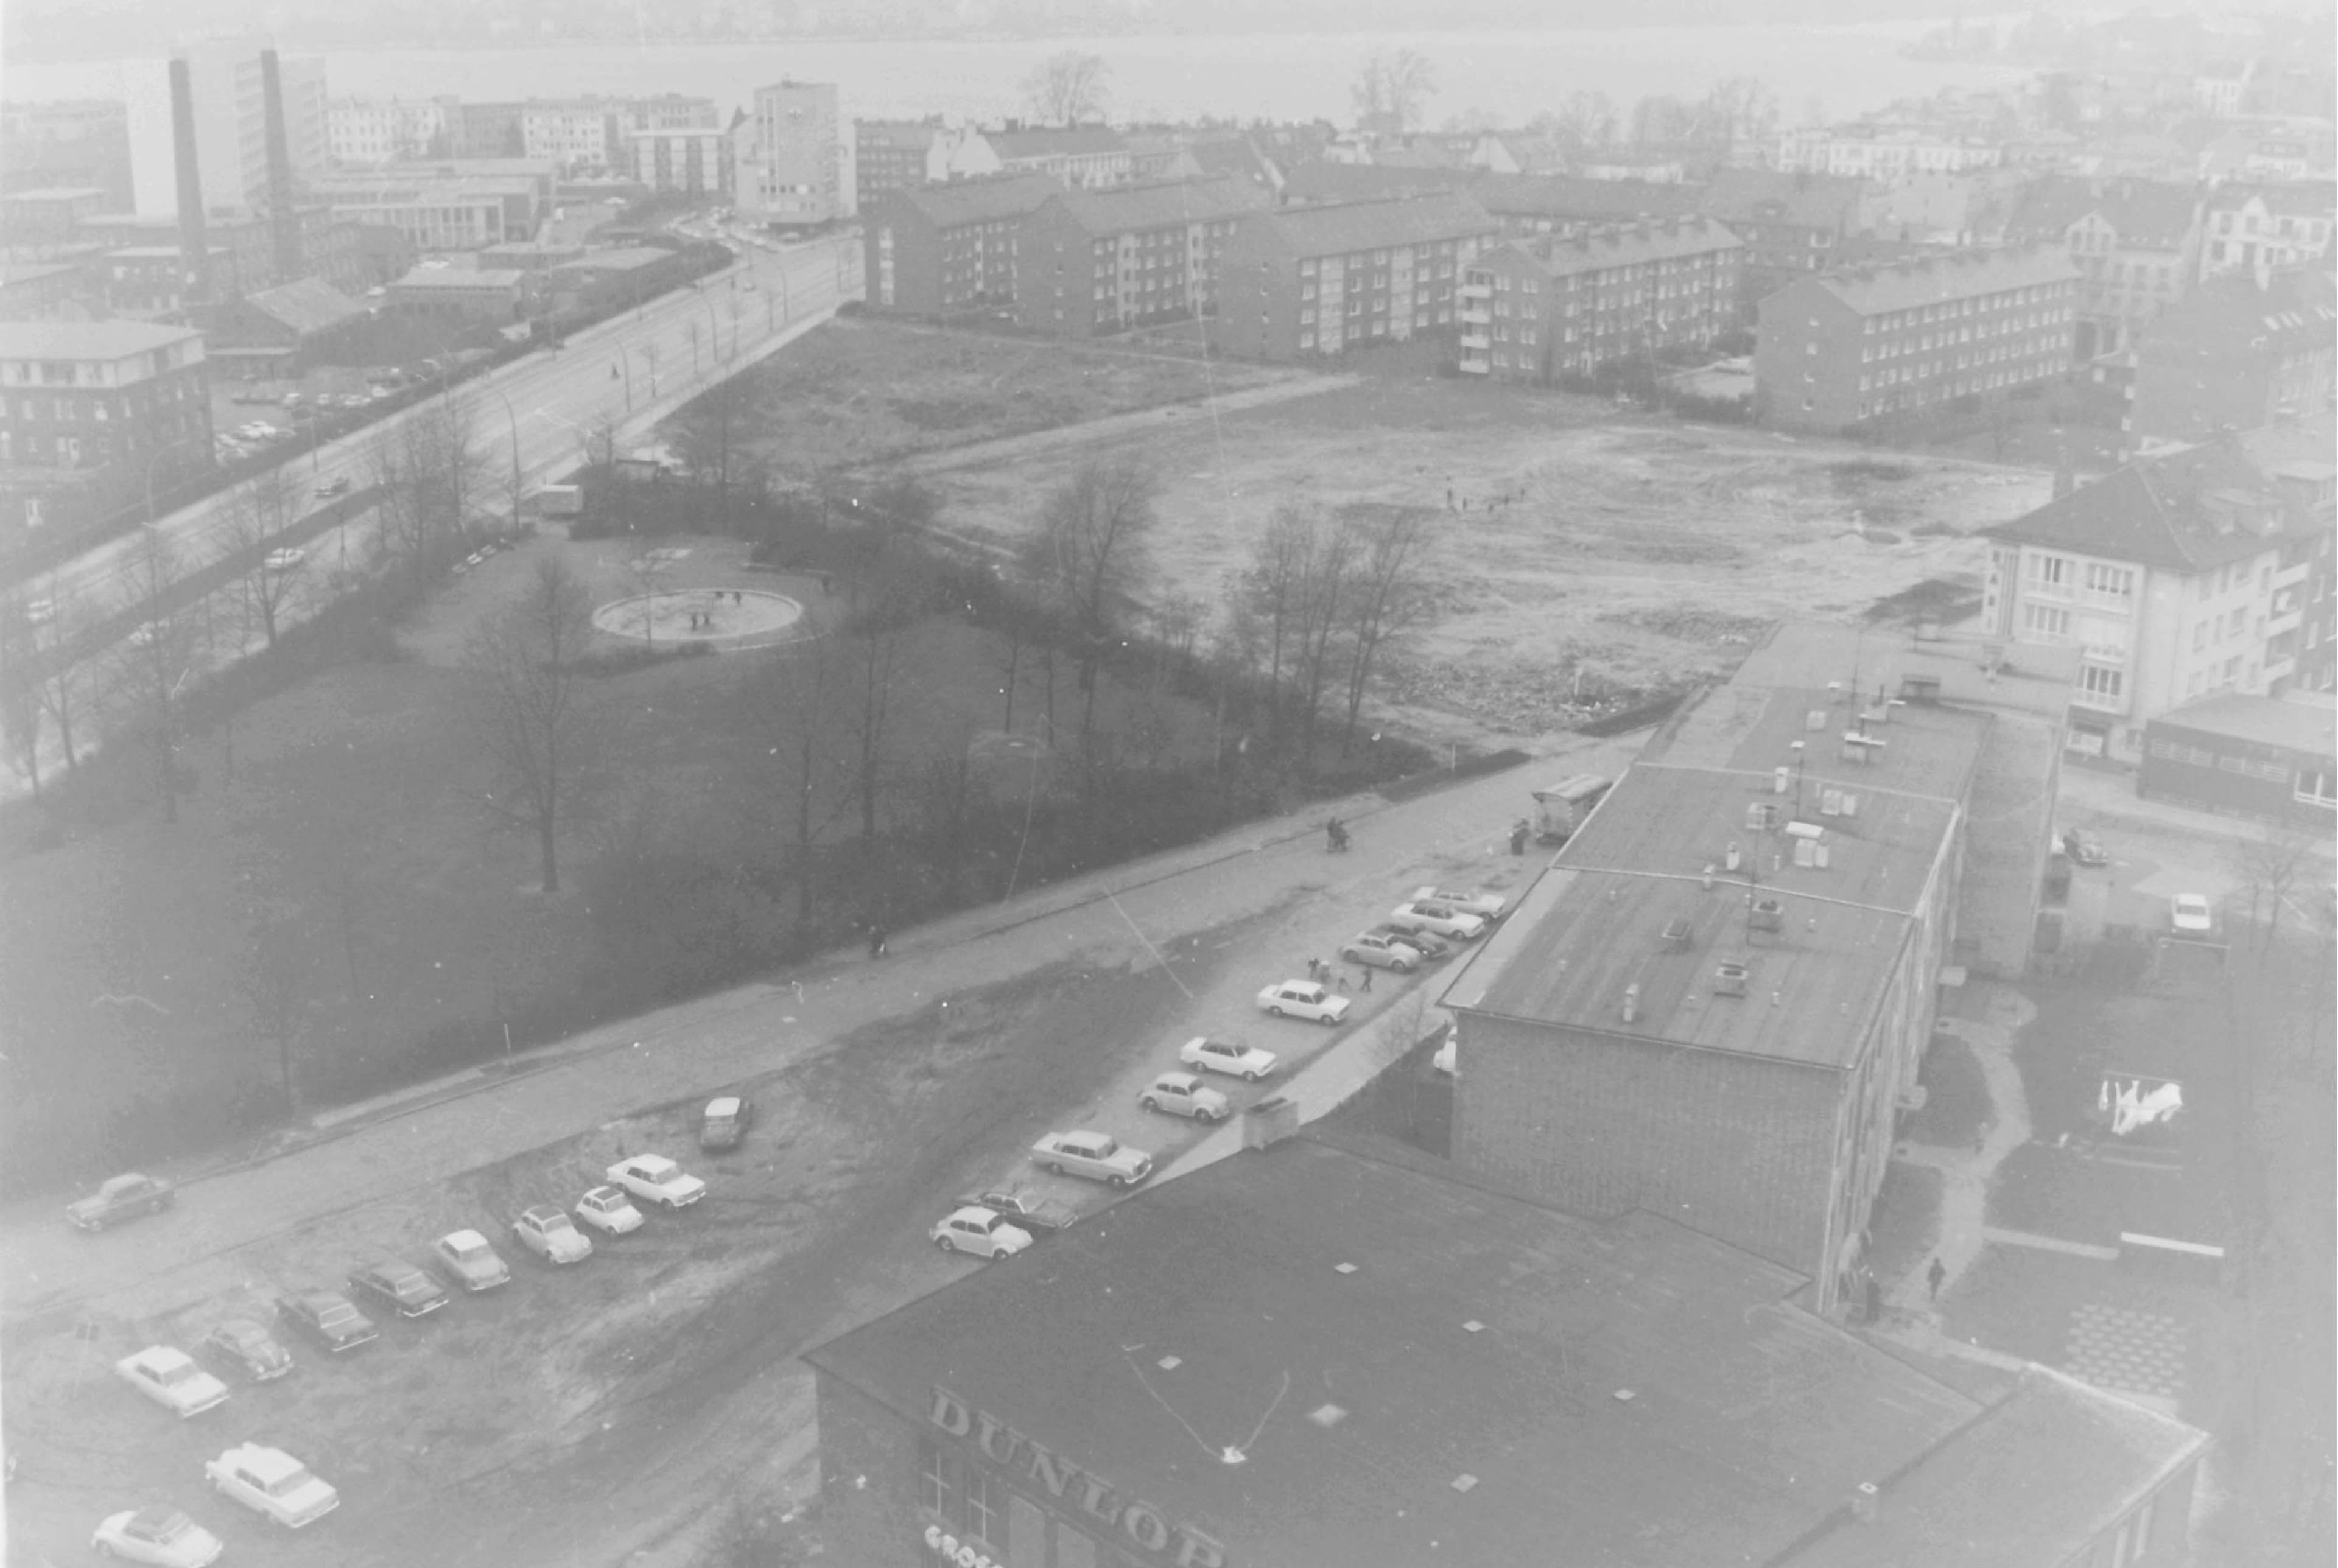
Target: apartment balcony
x,y
2288,620
2291,576
1471,318
1476,291
1476,365
1478,340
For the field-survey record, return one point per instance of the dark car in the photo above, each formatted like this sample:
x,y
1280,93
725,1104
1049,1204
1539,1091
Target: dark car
x,y
725,1123
121,1198
400,1287
1426,943
249,1348
329,1317
1029,1210
2084,848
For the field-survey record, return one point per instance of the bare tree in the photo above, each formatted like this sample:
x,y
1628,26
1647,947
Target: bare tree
x,y
1323,623
530,706
1586,115
1391,90
1658,119
1272,601
1069,89
273,982
1386,598
57,680
1734,109
2269,867
888,613
401,521
255,518
714,428
1089,557
797,697
154,661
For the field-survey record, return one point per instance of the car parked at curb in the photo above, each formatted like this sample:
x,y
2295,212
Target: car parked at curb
x,y
1184,1095
120,1197
984,1232
1428,943
248,1346
547,1231
2192,914
1445,920
468,1259
1097,1156
1303,999
1231,1057
339,484
160,1534
2083,848
271,1481
724,1123
284,560
1041,1216
658,1179
171,1378
1476,901
329,1317
400,1287
1381,952
608,1211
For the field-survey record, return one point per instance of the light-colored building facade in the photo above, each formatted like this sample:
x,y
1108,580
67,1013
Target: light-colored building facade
x,y
440,215
90,410
2264,228
697,162
231,124
368,131
1532,309
586,133
1876,151
1305,282
1084,157
795,168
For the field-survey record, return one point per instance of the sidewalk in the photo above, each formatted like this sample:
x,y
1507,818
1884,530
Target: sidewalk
x,y
2095,792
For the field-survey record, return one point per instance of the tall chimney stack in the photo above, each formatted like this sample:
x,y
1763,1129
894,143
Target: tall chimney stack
x,y
283,219
194,245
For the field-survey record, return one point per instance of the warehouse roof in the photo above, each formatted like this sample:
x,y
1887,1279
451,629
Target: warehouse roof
x,y
2192,510
306,304
2302,721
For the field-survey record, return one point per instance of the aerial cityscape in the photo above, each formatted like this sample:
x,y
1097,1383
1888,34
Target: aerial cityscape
x,y
1091,784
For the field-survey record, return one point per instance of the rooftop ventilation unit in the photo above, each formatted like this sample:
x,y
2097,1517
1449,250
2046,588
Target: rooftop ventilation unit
x,y
1632,1003
1766,915
1920,688
1730,979
1805,830
1678,936
1761,816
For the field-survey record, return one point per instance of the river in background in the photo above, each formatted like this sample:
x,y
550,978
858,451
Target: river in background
x,y
1512,76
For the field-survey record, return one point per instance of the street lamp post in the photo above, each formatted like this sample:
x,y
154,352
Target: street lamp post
x,y
512,420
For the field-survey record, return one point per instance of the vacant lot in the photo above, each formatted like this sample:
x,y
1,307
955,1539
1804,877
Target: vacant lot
x,y
1632,555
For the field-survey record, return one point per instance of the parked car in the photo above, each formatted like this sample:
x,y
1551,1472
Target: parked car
x,y
249,1348
549,1233
400,1287
271,1481
147,634
1029,1210
1441,919
120,1197
1095,1155
1428,943
1484,904
172,1380
284,560
724,1123
2191,912
1230,1057
329,1317
1184,1095
40,611
1303,999
466,1258
659,1180
160,1535
2083,848
981,1232
1382,952
608,1211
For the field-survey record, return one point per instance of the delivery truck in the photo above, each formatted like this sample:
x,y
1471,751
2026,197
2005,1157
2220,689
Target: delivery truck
x,y
1560,809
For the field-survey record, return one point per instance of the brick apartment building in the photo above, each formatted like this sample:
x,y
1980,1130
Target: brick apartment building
x,y
1535,308
1714,1005
156,282
891,154
943,250
2237,354
1791,224
1089,263
1332,1351
2180,576
2292,455
1851,344
1566,204
90,412
1324,281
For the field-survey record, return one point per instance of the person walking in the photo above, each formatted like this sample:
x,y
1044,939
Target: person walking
x,y
1368,978
1934,1276
876,941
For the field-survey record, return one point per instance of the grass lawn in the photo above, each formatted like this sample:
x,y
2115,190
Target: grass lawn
x,y
1907,1219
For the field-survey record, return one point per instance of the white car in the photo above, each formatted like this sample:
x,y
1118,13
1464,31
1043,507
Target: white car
x,y
1236,1060
147,634
659,1180
2191,912
271,1481
608,1211
337,486
468,1259
40,611
284,560
980,1231
1095,1155
1303,999
1442,918
172,1380
1382,951
1184,1094
157,1534
552,1235
1485,906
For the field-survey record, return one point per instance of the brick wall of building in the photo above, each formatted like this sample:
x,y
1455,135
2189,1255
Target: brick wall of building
x,y
867,1479
902,254
1997,897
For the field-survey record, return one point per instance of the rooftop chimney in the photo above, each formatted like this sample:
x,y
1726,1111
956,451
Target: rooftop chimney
x,y
283,221
194,244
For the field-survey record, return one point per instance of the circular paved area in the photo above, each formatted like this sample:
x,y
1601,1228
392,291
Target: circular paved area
x,y
727,615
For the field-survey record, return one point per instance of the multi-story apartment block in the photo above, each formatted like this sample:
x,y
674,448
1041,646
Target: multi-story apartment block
x,y
2262,229
77,143
889,155
1565,204
2293,456
41,222
584,133
1088,262
362,131
1086,157
1791,224
1324,281
2135,243
1880,151
1532,309
668,112
794,166
2176,578
91,412
226,83
2235,355
486,131
943,250
698,162
154,283
1847,345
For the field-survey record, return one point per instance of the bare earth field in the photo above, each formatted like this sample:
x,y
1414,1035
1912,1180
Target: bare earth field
x,y
1642,555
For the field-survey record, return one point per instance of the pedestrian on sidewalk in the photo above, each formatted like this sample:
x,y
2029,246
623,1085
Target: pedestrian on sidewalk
x,y
1933,1276
1368,980
876,941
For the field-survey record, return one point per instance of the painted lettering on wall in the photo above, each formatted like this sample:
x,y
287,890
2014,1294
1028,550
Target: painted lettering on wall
x,y
1141,1524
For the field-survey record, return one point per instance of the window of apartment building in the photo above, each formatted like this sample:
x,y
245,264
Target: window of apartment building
x,y
2098,681
2051,572
2046,622
938,1474
2317,787
2116,583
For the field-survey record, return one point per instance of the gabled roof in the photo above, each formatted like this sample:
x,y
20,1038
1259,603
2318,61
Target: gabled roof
x,y
453,279
2229,317
2287,197
2177,512
1565,198
87,339
1235,156
1770,196
1321,180
1626,244
1956,275
306,304
2302,721
980,200
1335,230
1162,205
1076,142
1428,152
